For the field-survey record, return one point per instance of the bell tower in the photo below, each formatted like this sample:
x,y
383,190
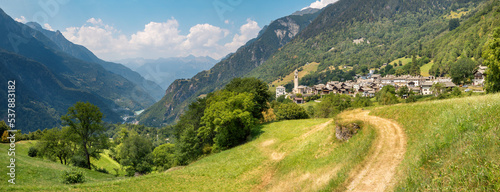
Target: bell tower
x,y
296,81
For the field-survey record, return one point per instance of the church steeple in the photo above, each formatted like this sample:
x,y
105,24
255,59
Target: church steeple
x,y
296,81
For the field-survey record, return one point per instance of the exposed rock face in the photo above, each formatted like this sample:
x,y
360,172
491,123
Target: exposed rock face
x,y
345,132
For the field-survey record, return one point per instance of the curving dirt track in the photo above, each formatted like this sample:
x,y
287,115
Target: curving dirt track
x,y
377,172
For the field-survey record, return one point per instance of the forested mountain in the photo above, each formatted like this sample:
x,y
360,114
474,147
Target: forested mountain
x,y
387,30
81,52
49,81
182,92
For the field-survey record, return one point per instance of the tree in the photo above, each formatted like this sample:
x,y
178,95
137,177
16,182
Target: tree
x,y
491,56
290,111
3,127
259,89
85,120
453,24
456,91
414,67
360,101
387,96
462,71
332,105
403,91
4,137
437,88
135,152
57,143
189,146
228,119
164,156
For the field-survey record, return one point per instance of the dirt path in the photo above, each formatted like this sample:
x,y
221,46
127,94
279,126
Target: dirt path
x,y
377,172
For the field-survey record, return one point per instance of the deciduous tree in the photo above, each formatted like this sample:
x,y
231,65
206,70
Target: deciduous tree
x,y
85,120
491,57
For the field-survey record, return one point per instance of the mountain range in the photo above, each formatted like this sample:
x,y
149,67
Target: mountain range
x,y
164,71
81,52
52,74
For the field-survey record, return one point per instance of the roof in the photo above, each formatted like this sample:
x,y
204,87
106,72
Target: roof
x,y
280,87
428,83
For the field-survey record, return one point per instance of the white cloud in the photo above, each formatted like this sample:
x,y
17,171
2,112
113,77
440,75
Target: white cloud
x,y
320,4
158,34
21,20
247,32
48,27
226,21
95,21
159,40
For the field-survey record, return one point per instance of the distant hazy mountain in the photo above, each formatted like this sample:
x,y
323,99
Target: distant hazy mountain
x,y
81,52
164,71
49,80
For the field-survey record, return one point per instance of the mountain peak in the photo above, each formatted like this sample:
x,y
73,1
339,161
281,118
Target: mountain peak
x,y
34,25
306,11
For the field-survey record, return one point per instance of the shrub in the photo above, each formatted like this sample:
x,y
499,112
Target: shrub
x,y
32,151
73,176
290,111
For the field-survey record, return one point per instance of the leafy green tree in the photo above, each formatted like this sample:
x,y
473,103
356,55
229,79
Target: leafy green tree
x,y
387,95
57,143
3,127
437,89
189,146
404,90
259,89
85,120
360,101
491,56
456,91
414,67
135,152
332,105
228,119
290,111
164,156
462,71
453,24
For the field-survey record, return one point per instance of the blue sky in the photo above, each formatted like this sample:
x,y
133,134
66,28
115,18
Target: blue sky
x,y
119,29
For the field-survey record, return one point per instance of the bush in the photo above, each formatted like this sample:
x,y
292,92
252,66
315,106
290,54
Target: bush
x,y
32,151
73,176
290,111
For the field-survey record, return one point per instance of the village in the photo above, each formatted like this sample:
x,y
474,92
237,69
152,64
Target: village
x,y
370,84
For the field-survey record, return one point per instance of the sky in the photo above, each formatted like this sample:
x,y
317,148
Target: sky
x,y
150,29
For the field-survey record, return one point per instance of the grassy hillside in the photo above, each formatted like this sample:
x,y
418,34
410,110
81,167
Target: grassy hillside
x,y
294,155
452,144
424,70
35,173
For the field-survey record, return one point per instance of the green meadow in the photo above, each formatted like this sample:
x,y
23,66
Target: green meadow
x,y
453,145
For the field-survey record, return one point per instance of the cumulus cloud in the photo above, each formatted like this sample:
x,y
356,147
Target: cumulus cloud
x,y
320,4
247,32
21,20
159,40
48,27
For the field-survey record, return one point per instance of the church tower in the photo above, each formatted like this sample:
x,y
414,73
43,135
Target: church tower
x,y
296,81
